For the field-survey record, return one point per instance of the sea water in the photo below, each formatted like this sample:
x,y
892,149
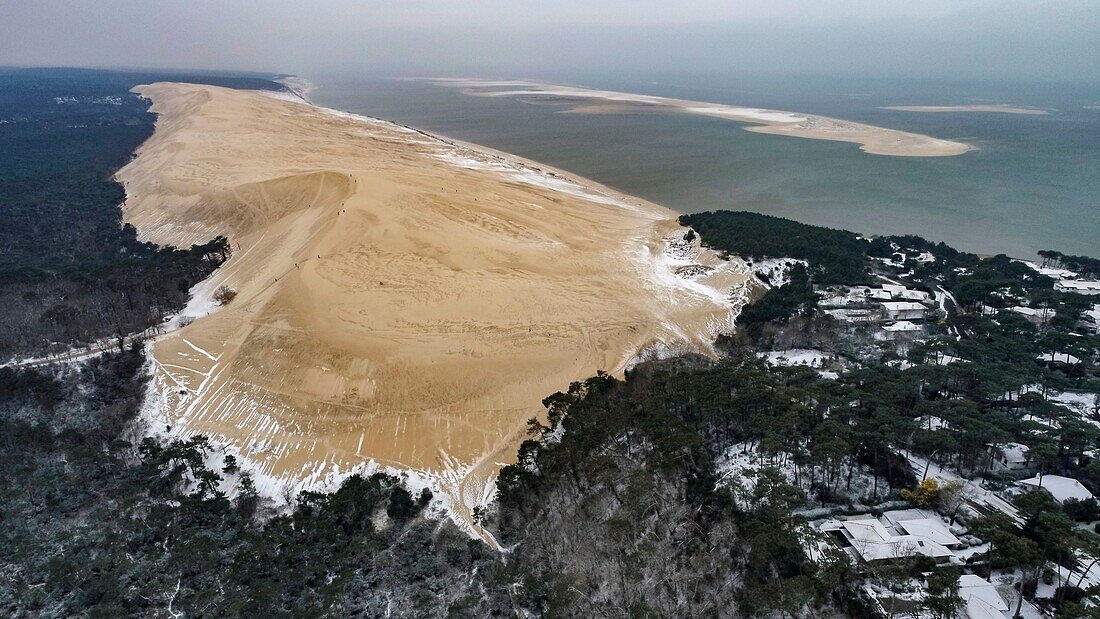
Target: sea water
x,y
1032,183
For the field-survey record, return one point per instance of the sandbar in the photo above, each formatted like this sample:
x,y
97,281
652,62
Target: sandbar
x,y
873,140
999,108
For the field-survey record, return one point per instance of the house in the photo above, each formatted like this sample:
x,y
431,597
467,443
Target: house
x,y
981,599
931,423
1061,488
880,294
1091,318
870,540
1078,286
1034,315
853,315
901,330
922,523
1008,456
1058,357
904,310
916,295
894,290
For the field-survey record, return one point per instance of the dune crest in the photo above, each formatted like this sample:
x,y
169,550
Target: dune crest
x,y
402,300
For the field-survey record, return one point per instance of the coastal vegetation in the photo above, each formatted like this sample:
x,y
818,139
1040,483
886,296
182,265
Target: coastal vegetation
x,y
837,256
70,272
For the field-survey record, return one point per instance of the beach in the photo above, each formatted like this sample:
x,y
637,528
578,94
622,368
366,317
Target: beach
x,y
403,300
872,139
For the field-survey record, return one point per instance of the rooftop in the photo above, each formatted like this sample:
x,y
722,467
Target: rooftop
x,y
1061,488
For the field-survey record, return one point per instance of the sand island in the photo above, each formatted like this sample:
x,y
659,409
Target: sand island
x,y
997,108
402,299
873,140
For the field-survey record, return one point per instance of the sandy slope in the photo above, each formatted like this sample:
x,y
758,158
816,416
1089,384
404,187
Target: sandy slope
x,y
401,299
872,139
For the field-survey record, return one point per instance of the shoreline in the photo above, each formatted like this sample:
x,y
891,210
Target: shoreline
x,y
508,159
318,369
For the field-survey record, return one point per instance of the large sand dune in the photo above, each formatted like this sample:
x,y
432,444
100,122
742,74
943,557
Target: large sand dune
x,y
402,299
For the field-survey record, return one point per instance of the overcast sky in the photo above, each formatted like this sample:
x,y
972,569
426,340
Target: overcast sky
x,y
969,39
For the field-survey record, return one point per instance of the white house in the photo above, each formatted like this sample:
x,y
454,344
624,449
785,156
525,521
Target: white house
x,y
1078,286
981,598
931,423
1061,488
1092,319
903,310
853,315
1033,314
872,541
1008,456
1058,357
901,330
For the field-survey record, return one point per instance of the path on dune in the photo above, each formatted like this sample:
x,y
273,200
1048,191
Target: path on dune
x,y
402,300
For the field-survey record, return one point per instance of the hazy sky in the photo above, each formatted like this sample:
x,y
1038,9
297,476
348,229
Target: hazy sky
x,y
970,39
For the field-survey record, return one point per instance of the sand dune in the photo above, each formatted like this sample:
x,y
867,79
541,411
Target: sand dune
x,y
872,139
403,300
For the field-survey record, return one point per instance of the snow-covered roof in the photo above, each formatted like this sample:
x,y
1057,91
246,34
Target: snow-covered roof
x,y
901,306
1059,357
946,359
931,422
981,598
1079,286
873,541
929,528
915,294
902,325
1013,452
1050,272
1061,488
1034,312
1093,314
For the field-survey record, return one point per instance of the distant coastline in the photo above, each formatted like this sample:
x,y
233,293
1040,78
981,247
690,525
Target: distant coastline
x,y
997,108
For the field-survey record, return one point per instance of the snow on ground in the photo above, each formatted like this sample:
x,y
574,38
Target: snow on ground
x,y
1050,272
741,461
797,356
474,160
1084,404
974,492
774,271
326,476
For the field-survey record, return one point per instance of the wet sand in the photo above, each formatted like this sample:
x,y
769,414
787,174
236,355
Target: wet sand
x,y
873,140
402,300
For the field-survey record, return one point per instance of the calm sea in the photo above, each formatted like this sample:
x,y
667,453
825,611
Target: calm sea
x,y
1033,183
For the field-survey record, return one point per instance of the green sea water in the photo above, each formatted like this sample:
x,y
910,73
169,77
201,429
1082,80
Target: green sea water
x,y
1033,183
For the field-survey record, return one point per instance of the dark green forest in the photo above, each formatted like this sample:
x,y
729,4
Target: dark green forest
x,y
70,272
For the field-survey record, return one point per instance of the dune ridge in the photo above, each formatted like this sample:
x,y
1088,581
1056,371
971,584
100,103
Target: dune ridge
x,y
403,300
